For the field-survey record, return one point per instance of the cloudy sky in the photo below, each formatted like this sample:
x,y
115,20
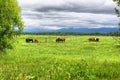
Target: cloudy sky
x,y
57,14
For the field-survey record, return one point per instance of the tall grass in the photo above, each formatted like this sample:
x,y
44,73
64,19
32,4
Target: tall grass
x,y
76,59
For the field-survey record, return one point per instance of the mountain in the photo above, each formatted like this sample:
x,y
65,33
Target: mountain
x,y
88,30
85,30
37,30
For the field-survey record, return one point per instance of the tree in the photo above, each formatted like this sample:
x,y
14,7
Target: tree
x,y
117,34
10,20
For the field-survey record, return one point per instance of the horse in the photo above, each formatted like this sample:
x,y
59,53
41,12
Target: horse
x,y
60,40
36,40
97,39
91,39
94,39
29,40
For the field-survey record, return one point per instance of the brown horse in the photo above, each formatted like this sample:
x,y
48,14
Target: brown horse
x,y
60,40
93,39
36,40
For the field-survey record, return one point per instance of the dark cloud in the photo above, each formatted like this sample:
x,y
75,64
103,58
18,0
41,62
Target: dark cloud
x,y
78,7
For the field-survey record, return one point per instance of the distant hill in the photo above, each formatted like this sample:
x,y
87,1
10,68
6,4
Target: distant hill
x,y
88,30
37,30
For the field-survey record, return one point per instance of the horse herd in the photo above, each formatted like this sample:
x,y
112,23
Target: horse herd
x,y
28,40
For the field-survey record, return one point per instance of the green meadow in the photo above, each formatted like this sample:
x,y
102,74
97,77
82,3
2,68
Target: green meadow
x,y
75,59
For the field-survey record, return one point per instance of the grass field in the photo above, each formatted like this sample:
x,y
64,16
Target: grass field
x,y
76,59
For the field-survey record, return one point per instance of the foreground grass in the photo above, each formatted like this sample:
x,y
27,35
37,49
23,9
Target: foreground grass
x,y
76,59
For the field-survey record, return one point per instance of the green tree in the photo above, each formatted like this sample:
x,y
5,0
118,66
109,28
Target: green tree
x,y
10,20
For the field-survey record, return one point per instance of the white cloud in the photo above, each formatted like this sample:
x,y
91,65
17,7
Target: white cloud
x,y
56,14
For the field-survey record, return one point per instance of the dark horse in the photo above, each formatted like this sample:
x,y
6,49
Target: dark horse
x,y
29,40
60,40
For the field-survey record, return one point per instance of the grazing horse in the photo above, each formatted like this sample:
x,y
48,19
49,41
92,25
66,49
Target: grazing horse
x,y
60,40
91,39
29,40
94,39
36,40
97,39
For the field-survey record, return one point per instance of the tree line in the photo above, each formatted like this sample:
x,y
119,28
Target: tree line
x,y
117,33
